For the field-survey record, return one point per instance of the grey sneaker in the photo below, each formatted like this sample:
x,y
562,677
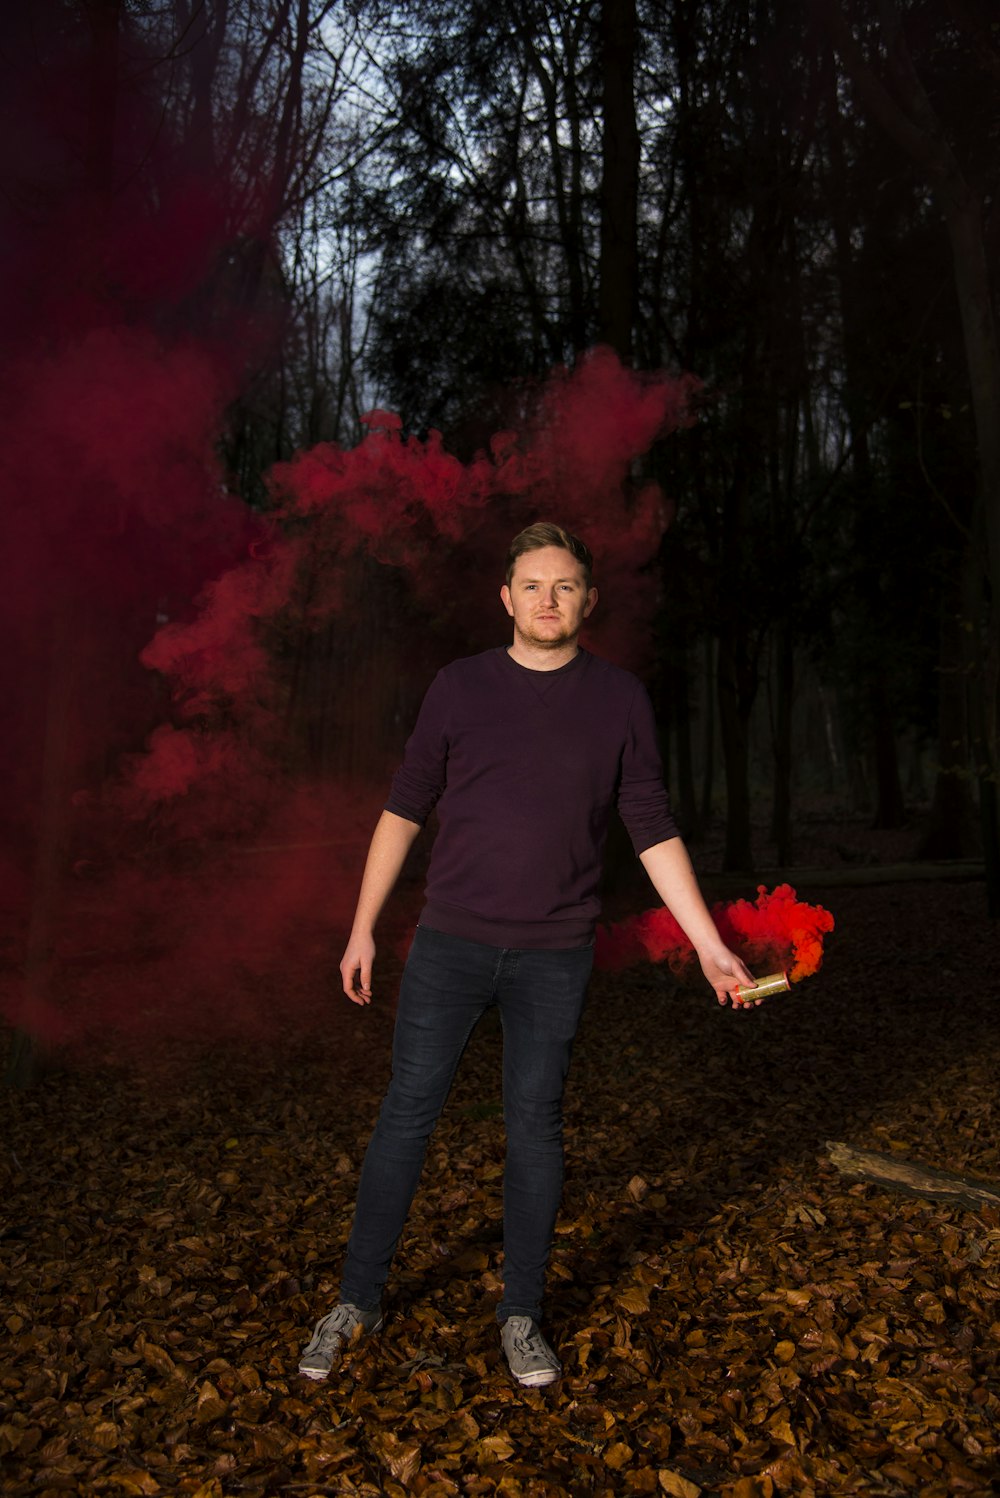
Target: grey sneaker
x,y
344,1324
531,1359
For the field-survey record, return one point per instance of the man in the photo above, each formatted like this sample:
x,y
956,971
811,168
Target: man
x,y
523,750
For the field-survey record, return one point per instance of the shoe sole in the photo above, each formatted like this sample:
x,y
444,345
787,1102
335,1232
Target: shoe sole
x,y
537,1380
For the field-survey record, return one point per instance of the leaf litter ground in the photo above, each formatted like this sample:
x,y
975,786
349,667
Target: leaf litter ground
x,y
734,1317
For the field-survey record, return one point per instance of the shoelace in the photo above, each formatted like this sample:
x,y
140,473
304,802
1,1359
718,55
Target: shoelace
x,y
337,1324
530,1345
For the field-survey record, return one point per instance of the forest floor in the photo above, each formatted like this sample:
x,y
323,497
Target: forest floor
x,y
735,1318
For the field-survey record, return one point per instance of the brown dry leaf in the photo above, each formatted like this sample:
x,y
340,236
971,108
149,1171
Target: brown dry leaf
x,y
780,1428
158,1358
634,1300
618,1455
211,1405
466,1423
210,1489
495,1449
798,1298
901,1473
10,1437
401,1458
676,1485
271,1441
137,1481
748,1487
106,1435
931,1308
471,1261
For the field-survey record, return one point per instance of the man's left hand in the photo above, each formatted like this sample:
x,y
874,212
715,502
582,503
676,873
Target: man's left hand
x,y
725,972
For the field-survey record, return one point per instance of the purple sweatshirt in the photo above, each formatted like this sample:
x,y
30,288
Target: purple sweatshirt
x,y
523,767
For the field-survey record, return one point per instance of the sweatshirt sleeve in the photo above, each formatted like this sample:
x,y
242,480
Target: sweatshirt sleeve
x,y
642,798
420,779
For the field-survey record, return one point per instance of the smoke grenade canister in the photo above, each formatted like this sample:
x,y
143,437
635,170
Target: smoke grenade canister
x,y
772,984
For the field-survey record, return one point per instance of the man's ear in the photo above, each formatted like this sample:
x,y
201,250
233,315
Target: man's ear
x,y
591,602
506,601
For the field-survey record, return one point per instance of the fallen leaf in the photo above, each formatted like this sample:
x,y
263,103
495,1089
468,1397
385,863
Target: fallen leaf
x,y
496,1448
618,1456
676,1485
137,1481
401,1458
210,1405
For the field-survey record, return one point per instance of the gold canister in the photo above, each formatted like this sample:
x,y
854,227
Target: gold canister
x,y
772,984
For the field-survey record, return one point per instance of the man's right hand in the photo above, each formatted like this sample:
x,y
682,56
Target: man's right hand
x,y
391,841
356,969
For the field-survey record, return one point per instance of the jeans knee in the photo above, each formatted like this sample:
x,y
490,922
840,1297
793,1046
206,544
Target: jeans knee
x,y
407,1117
533,1123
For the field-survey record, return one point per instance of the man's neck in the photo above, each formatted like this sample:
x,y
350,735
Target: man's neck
x,y
536,658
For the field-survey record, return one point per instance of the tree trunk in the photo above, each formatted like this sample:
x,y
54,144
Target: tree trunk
x,y
687,798
734,721
890,810
954,830
105,20
784,687
619,257
708,741
964,216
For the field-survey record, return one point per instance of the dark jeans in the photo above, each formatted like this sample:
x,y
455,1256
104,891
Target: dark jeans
x,y
447,985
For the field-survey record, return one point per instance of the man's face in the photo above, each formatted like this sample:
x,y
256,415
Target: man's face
x,y
548,598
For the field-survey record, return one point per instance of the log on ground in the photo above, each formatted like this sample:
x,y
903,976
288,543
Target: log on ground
x,y
913,1177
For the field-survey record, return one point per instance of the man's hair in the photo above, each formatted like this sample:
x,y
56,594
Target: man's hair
x,y
544,533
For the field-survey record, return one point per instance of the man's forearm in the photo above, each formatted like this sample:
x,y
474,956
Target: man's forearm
x,y
669,867
676,883
391,842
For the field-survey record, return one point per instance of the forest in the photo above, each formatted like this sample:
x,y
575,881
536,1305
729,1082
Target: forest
x,y
307,307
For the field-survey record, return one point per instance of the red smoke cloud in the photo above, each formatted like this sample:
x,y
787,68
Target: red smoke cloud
x,y
413,506
777,931
229,846
180,847
442,527
114,383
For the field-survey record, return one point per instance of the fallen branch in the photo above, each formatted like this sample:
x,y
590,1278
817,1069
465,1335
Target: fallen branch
x,y
912,1178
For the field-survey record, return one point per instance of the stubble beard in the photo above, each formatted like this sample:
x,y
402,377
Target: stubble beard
x,y
566,635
